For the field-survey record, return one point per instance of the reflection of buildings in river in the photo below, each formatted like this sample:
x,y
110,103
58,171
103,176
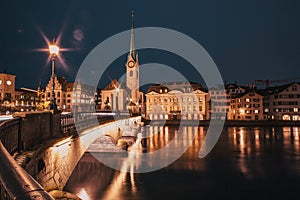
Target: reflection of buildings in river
x,y
241,143
159,137
249,143
291,138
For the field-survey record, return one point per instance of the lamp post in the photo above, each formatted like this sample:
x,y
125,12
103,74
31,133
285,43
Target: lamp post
x,y
117,102
53,49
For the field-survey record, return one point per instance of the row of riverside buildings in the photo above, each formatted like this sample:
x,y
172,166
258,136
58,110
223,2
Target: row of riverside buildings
x,y
192,101
166,101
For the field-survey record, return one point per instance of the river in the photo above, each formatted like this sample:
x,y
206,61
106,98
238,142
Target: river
x,y
246,163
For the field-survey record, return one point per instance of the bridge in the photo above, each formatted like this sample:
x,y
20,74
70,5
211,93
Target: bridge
x,y
57,142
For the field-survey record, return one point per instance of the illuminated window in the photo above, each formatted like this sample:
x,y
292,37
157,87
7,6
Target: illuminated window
x,y
256,111
247,100
195,108
295,109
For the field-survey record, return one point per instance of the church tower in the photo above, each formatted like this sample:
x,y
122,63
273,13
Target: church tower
x,y
132,68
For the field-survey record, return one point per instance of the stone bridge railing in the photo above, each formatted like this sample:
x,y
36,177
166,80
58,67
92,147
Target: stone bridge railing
x,y
15,182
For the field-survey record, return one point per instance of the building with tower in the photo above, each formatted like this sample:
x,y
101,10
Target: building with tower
x,y
125,97
7,87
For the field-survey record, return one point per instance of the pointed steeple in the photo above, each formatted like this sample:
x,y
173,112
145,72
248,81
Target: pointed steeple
x,y
132,49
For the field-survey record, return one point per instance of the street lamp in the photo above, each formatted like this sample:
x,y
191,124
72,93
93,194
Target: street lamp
x,y
53,49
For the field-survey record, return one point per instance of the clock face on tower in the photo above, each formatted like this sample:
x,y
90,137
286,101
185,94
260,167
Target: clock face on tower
x,y
131,63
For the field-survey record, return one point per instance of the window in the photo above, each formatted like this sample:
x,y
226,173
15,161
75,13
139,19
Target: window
x,y
131,73
256,99
294,88
247,100
195,108
295,109
266,110
256,111
200,108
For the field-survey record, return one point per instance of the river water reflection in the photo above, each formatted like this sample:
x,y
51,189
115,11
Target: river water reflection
x,y
246,163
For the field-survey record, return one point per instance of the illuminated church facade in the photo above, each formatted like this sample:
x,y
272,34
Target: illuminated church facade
x,y
124,97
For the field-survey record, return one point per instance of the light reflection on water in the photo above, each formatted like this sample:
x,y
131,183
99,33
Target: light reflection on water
x,y
244,160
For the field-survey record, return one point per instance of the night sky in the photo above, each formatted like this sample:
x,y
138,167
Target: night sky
x,y
248,39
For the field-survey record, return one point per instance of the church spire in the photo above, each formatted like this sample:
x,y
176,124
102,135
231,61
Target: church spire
x,y
132,50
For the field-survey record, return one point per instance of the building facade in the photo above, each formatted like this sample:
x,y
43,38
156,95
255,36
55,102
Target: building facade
x,y
115,97
220,103
176,101
7,88
71,96
282,102
247,106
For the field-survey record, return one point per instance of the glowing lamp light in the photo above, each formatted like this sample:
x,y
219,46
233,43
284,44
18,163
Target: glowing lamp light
x,y
54,49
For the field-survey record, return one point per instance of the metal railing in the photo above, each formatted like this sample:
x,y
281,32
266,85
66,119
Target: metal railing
x,y
72,124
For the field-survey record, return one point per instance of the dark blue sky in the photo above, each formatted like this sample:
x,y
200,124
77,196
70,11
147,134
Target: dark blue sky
x,y
248,39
